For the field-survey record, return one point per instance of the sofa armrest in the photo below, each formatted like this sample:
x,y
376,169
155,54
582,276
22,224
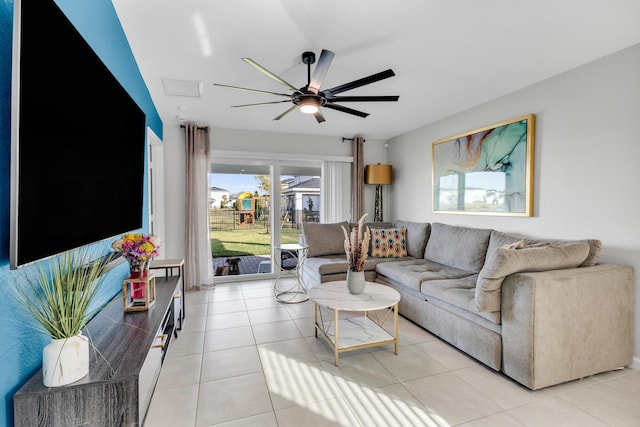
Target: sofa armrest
x,y
562,325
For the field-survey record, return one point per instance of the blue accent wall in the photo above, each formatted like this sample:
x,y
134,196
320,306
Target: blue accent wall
x,y
20,345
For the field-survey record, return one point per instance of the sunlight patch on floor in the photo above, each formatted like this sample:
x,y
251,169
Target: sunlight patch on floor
x,y
311,387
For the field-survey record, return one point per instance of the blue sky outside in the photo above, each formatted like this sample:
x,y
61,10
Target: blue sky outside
x,y
234,183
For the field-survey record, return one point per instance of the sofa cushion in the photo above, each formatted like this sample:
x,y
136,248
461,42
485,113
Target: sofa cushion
x,y
417,236
499,238
389,242
458,293
460,247
327,264
324,239
378,224
332,264
413,272
507,260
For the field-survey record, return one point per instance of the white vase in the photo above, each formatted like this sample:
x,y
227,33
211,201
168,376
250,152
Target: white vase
x,y
355,281
65,360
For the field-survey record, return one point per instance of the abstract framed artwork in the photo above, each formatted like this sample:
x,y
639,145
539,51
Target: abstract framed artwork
x,y
488,171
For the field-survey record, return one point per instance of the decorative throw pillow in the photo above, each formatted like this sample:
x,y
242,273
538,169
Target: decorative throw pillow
x,y
516,258
371,225
389,242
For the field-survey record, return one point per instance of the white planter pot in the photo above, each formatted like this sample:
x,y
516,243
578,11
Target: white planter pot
x,y
355,281
65,360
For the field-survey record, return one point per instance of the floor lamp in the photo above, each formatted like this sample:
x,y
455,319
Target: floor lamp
x,y
379,175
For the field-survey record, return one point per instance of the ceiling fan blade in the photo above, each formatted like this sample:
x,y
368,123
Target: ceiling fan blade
x,y
360,82
319,117
362,98
286,112
269,73
252,90
262,103
326,57
346,110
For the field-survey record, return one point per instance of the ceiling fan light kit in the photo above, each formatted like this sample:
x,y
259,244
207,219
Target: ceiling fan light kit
x,y
309,106
310,98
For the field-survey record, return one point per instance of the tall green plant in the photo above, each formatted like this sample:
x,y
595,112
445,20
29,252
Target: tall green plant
x,y
60,297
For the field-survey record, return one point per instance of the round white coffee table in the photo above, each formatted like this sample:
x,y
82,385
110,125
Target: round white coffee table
x,y
355,332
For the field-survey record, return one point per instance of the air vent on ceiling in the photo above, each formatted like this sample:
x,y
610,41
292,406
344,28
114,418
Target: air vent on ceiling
x,y
173,87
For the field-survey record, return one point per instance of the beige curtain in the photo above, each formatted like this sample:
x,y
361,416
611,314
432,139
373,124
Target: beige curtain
x,y
335,191
357,179
198,265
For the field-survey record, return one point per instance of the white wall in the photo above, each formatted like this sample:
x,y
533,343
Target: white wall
x,y
250,142
587,154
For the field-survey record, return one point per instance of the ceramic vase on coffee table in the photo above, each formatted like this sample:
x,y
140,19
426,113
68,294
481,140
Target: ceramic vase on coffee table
x,y
355,281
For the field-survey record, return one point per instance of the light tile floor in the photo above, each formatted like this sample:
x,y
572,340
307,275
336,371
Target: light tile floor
x,y
244,359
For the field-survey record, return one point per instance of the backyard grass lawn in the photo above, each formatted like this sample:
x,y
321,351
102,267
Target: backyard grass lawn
x,y
248,242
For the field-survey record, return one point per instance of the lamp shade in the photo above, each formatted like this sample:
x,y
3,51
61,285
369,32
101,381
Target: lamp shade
x,y
378,174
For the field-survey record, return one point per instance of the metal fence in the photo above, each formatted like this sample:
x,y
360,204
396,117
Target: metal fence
x,y
231,219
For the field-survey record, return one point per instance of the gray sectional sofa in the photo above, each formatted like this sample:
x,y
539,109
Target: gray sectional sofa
x,y
541,311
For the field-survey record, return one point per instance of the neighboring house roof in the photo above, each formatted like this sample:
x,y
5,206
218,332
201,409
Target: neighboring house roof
x,y
217,189
313,183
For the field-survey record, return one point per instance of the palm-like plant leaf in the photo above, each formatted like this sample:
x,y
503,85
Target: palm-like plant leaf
x,y
60,298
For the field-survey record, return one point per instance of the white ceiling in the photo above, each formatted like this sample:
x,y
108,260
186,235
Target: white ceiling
x,y
448,56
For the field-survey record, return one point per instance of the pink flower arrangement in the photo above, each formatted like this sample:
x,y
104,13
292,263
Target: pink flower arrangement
x,y
137,248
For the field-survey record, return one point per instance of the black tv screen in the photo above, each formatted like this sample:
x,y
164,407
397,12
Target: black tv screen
x,y
78,141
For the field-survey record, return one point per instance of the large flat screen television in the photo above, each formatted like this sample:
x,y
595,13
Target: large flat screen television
x,y
78,141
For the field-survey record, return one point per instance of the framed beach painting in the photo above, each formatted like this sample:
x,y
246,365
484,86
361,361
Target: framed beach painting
x,y
488,171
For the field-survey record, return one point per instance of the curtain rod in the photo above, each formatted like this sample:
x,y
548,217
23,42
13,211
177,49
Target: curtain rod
x,y
199,127
351,139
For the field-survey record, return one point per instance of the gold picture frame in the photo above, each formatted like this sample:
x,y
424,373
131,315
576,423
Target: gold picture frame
x,y
487,171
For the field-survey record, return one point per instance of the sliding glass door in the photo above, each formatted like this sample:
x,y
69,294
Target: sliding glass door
x,y
255,205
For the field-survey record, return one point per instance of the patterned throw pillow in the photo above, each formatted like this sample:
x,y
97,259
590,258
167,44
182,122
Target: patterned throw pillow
x,y
389,242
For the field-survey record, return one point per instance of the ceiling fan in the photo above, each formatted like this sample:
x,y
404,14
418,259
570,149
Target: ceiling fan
x,y
310,98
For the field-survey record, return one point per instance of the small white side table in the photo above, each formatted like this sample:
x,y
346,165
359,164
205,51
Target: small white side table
x,y
295,293
168,265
